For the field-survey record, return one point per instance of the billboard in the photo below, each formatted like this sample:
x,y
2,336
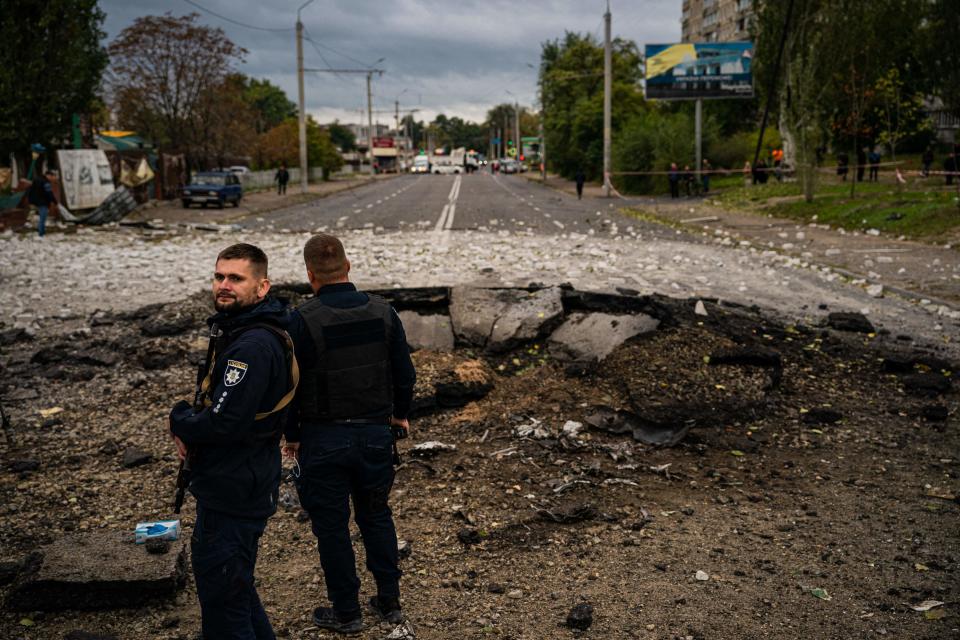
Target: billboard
x,y
688,71
86,177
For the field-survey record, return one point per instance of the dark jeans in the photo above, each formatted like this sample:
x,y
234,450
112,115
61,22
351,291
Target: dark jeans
x,y
281,188
337,462
223,551
43,210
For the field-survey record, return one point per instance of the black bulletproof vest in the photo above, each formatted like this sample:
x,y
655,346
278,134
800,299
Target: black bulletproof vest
x,y
351,378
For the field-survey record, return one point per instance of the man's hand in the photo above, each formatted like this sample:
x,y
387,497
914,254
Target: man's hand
x,y
181,448
404,423
291,450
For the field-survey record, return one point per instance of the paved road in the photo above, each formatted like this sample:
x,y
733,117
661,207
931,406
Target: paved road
x,y
446,204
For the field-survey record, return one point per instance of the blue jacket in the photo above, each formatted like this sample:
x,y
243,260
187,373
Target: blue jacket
x,y
404,376
236,464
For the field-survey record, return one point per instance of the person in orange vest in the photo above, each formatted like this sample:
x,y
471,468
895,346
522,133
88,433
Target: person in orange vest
x,y
777,162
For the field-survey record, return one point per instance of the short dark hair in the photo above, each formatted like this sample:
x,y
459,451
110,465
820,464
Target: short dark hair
x,y
325,257
243,251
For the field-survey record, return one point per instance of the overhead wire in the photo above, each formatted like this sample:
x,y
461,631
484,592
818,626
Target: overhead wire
x,y
339,53
232,21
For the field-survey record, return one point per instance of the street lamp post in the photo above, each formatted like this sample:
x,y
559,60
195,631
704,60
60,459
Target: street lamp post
x,y
516,125
370,111
543,139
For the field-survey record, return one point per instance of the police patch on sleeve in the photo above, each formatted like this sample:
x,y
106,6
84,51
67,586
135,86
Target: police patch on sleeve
x,y
234,372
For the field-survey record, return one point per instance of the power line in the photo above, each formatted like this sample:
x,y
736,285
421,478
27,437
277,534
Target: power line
x,y
319,53
231,20
332,50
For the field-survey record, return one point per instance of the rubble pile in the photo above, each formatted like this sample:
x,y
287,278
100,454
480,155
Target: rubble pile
x,y
705,460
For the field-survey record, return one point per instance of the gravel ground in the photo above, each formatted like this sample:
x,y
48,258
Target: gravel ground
x,y
118,269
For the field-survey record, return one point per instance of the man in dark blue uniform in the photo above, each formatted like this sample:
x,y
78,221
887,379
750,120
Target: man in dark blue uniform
x,y
357,383
232,439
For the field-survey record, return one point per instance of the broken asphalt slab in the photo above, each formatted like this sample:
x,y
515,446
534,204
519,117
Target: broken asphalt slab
x,y
99,570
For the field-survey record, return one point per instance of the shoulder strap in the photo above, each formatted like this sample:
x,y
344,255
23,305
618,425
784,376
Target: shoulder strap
x,y
285,340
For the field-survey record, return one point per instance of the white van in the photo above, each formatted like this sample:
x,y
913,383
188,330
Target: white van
x,y
421,164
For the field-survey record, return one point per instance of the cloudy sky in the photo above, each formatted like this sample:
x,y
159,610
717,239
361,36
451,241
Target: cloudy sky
x,y
440,56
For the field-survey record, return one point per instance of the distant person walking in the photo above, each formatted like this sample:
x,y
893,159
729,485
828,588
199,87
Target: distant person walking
x,y
705,175
874,166
927,160
777,155
688,180
673,176
949,167
41,196
580,179
282,177
843,165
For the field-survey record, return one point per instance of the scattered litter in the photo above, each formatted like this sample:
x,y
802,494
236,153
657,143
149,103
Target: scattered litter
x,y
700,309
52,411
572,429
621,421
533,429
403,631
610,481
431,448
926,605
821,593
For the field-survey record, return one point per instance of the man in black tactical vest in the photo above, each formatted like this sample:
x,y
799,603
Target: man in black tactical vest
x,y
230,437
357,387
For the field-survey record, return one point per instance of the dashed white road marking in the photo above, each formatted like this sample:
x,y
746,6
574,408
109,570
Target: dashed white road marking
x,y
445,223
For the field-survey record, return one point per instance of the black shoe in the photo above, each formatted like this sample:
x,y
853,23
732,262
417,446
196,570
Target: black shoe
x,y
328,618
388,608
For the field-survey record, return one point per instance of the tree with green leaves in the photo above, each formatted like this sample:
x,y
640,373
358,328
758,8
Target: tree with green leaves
x,y
51,67
269,103
939,46
571,75
899,112
281,144
341,136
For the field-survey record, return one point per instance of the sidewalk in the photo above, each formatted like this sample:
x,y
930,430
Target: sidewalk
x,y
915,270
253,203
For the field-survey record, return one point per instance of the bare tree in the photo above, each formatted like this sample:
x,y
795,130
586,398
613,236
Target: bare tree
x,y
160,69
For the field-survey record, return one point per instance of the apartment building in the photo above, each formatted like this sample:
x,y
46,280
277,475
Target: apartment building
x,y
716,20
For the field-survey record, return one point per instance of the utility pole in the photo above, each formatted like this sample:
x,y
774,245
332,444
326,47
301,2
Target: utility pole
x,y
698,127
607,90
302,116
370,120
543,138
368,72
516,122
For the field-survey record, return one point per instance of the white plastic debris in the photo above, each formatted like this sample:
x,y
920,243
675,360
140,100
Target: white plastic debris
x,y
572,429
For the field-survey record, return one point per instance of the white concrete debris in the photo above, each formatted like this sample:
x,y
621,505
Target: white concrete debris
x,y
120,269
571,428
875,290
